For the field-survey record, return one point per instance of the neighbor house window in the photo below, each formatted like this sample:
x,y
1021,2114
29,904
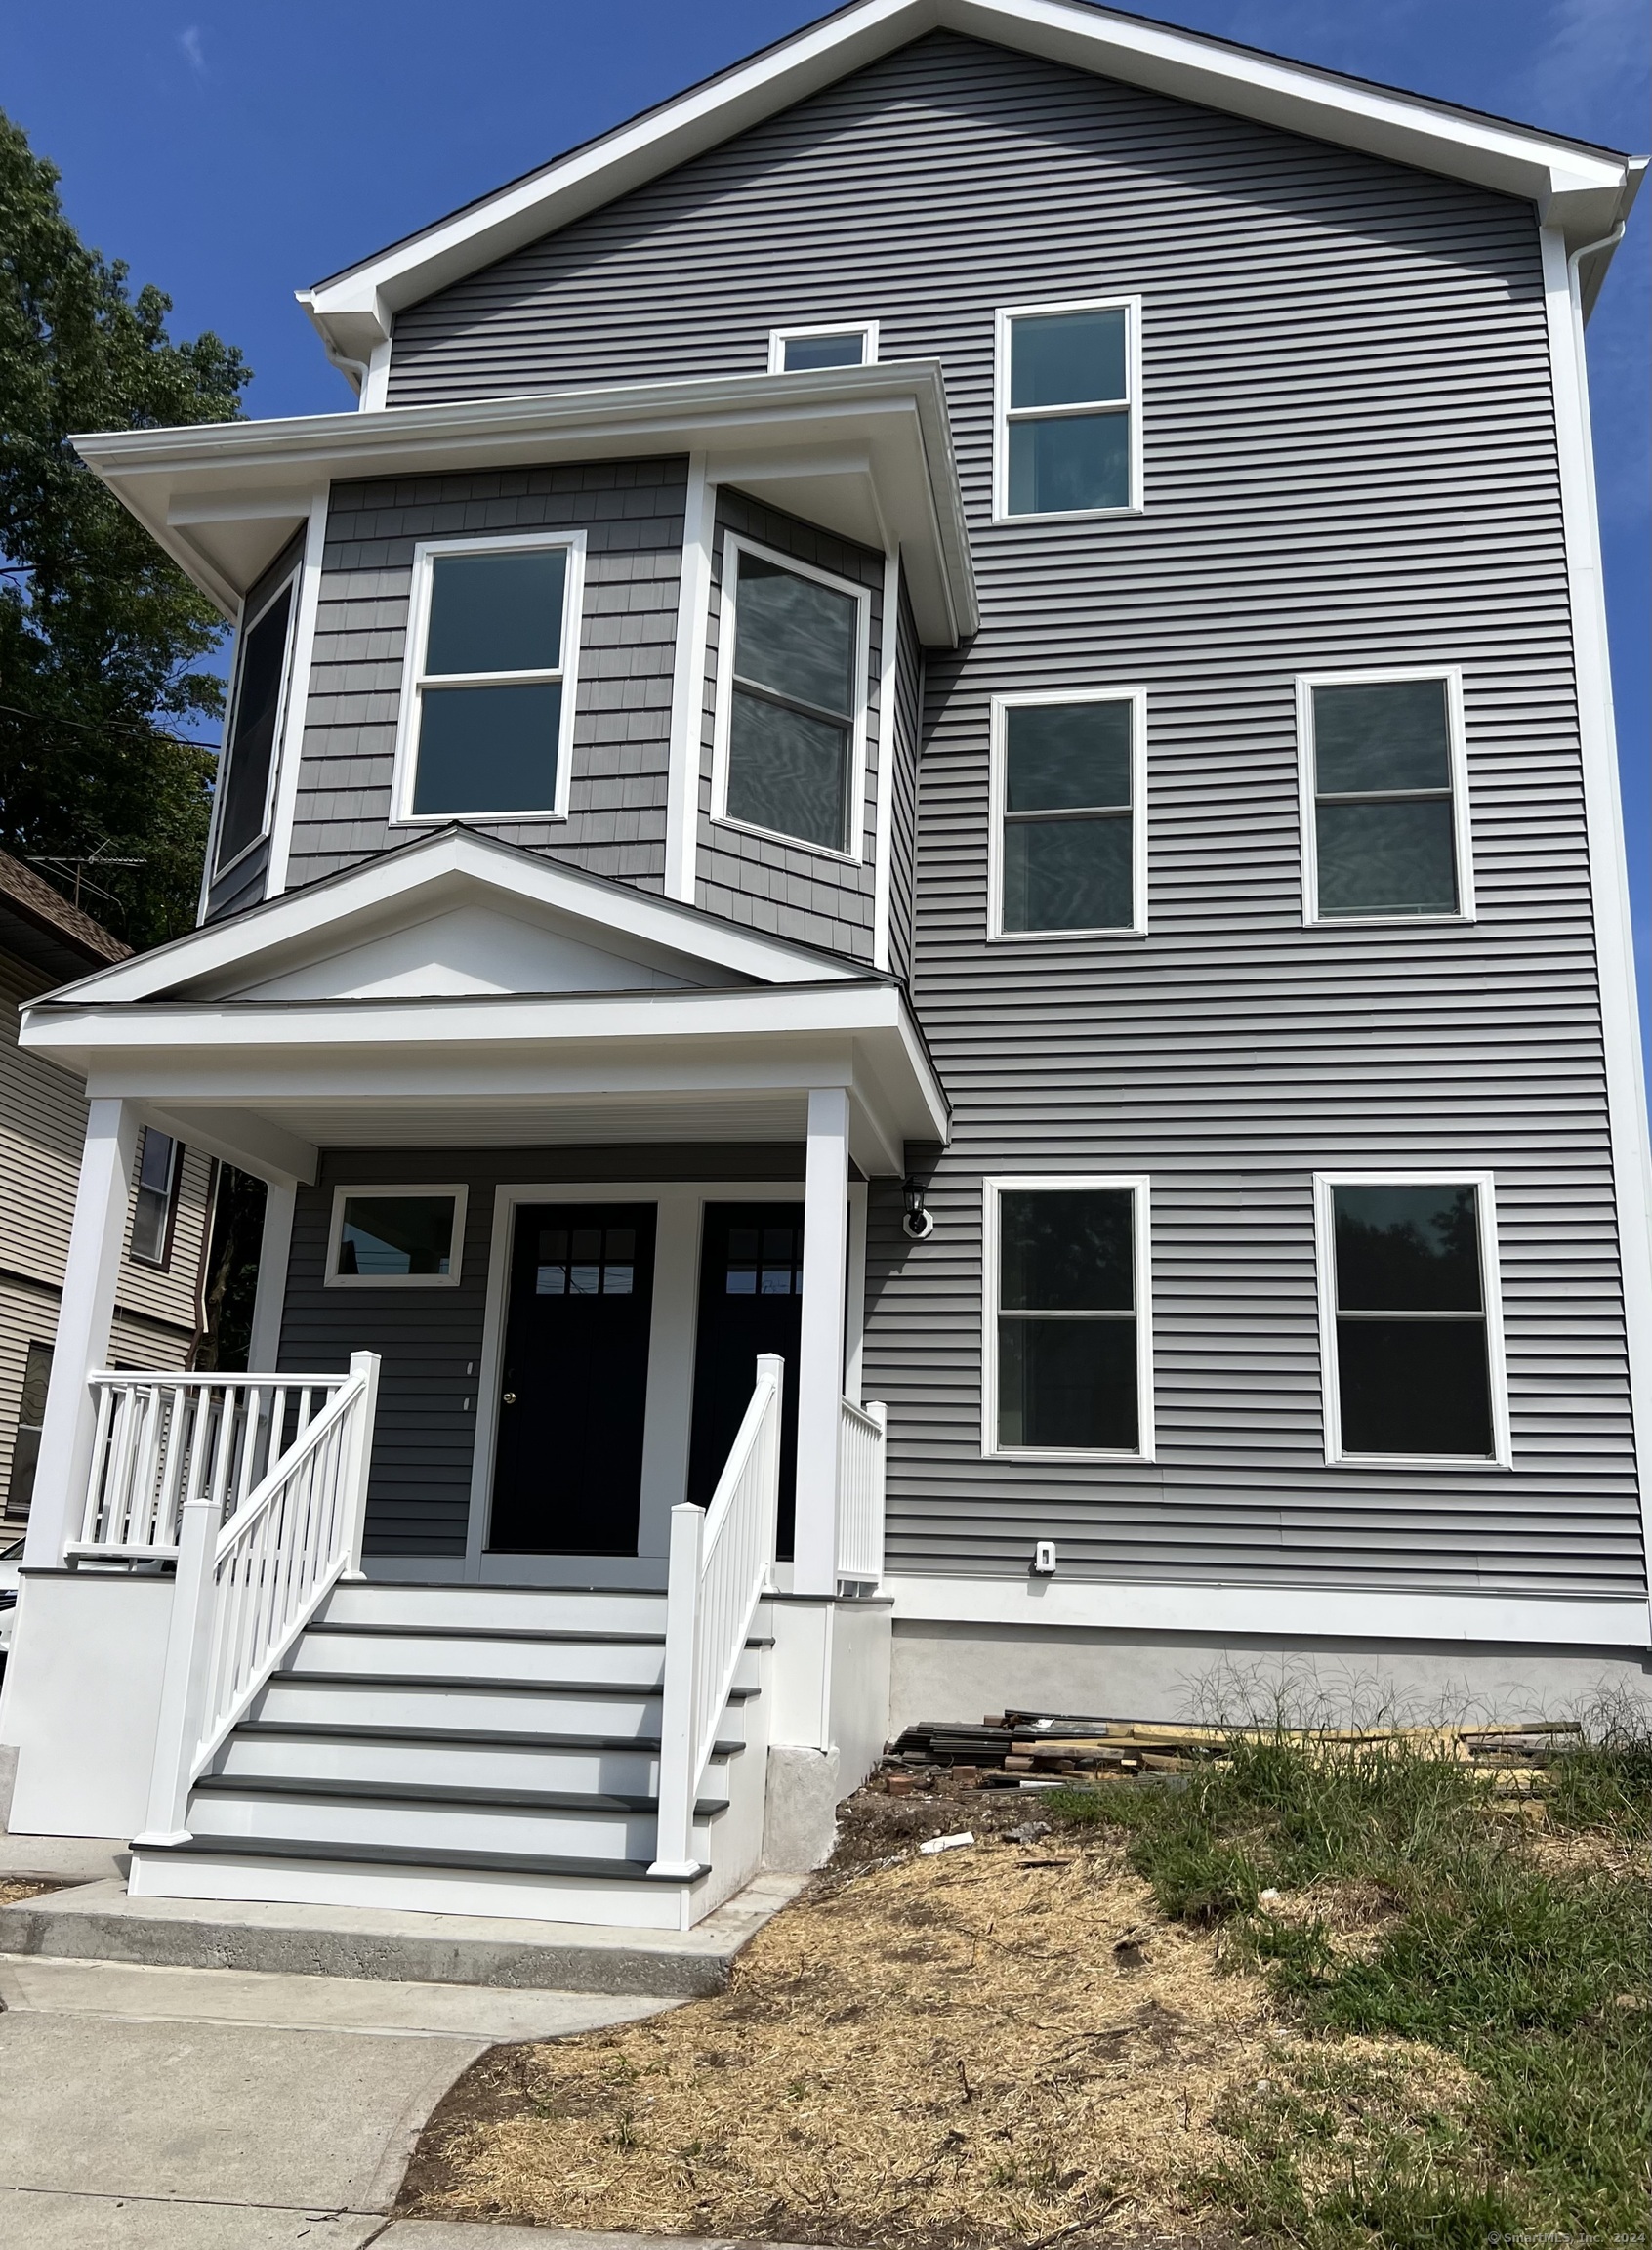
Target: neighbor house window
x,y
393,1237
31,1420
1068,435
154,1206
1385,796
798,351
247,762
1409,1317
1069,830
488,684
1069,1341
790,705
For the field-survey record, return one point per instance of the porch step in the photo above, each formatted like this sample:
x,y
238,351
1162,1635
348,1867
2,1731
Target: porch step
x,y
489,1761
599,1609
490,1706
467,1657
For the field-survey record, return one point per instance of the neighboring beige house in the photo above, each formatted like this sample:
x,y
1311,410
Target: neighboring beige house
x,y
45,943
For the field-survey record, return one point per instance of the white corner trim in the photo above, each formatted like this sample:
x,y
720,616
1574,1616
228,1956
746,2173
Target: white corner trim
x,y
1491,1293
1139,1187
1462,818
997,782
779,338
1608,863
1131,406
375,388
1312,1613
364,1190
410,707
290,744
889,690
734,545
688,683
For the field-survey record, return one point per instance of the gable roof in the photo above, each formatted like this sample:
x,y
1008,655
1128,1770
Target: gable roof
x,y
40,926
1584,190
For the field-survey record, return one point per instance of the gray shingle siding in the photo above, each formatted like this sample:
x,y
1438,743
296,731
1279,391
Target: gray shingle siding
x,y
787,889
1350,461
631,513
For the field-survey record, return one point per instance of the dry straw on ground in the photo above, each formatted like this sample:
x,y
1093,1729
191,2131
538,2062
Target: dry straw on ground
x,y
1000,2045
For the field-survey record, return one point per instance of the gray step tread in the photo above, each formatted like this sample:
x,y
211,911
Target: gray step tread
x,y
469,1737
326,1789
445,1686
412,1855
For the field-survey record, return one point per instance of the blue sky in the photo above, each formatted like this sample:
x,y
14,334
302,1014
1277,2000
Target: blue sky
x,y
232,153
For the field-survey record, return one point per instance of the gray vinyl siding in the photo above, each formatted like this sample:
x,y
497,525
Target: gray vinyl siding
x,y
903,782
632,514
430,1341
244,884
1350,461
788,889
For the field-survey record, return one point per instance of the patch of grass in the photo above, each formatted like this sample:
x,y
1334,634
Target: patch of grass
x,y
1464,1943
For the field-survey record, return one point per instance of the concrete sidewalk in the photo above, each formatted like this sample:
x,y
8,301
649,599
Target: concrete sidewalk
x,y
65,2222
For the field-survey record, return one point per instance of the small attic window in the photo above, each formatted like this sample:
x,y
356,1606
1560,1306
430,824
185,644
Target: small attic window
x,y
804,351
488,683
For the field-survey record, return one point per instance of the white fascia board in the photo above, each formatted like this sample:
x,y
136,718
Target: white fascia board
x,y
1574,186
327,910
1315,1614
884,427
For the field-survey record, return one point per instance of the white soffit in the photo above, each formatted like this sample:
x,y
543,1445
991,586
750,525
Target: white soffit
x,y
1583,190
864,451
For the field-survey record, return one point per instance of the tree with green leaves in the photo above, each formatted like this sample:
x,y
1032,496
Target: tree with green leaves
x,y
101,638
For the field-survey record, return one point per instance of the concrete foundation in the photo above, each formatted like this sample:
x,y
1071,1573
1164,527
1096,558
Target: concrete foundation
x,y
800,1814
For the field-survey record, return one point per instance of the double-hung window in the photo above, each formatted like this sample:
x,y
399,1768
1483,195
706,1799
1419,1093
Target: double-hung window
x,y
1385,793
154,1206
488,683
1069,825
791,701
1068,425
246,769
803,351
1068,1330
1411,1327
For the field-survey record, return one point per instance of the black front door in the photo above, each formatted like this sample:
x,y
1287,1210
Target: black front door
x,y
751,1301
573,1386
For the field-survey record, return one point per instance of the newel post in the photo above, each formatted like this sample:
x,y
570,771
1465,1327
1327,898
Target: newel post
x,y
184,1681
676,1830
359,1469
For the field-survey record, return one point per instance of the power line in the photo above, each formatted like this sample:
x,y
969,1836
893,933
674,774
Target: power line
x,y
108,726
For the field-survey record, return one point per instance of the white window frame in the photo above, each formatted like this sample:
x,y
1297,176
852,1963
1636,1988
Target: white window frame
x,y
998,780
779,338
1003,413
414,678
734,545
1491,1291
248,622
993,1190
363,1189
1462,825
161,1261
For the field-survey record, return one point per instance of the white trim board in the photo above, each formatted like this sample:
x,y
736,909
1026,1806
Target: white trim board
x,y
1312,1613
1579,187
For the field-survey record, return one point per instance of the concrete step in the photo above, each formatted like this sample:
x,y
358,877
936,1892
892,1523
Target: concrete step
x,y
387,1756
487,1707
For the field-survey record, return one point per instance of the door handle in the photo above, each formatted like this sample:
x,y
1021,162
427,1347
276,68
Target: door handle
x,y
509,1397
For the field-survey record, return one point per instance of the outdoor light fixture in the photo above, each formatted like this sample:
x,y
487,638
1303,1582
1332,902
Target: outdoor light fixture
x,y
916,1222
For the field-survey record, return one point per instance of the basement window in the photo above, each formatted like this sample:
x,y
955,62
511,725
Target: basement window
x,y
1068,435
396,1238
1384,798
1411,1323
488,686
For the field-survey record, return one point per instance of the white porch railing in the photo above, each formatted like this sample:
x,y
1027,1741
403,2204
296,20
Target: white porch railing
x,y
162,1441
247,1588
860,1495
721,1563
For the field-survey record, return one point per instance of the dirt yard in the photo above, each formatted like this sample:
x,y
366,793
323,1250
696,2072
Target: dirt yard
x,y
999,2044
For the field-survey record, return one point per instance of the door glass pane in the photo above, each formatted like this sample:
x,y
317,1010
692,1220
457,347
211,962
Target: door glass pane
x,y
1071,461
1389,734
1066,1250
1068,1382
497,612
386,1236
1061,755
1390,856
1413,1386
805,352
788,771
1068,874
1407,1250
795,636
488,749
1067,359
244,775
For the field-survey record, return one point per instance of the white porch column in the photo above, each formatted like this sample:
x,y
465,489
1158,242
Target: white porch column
x,y
85,1317
274,1249
821,1353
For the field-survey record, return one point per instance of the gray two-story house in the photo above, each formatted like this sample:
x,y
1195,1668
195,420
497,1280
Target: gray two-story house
x,y
918,905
